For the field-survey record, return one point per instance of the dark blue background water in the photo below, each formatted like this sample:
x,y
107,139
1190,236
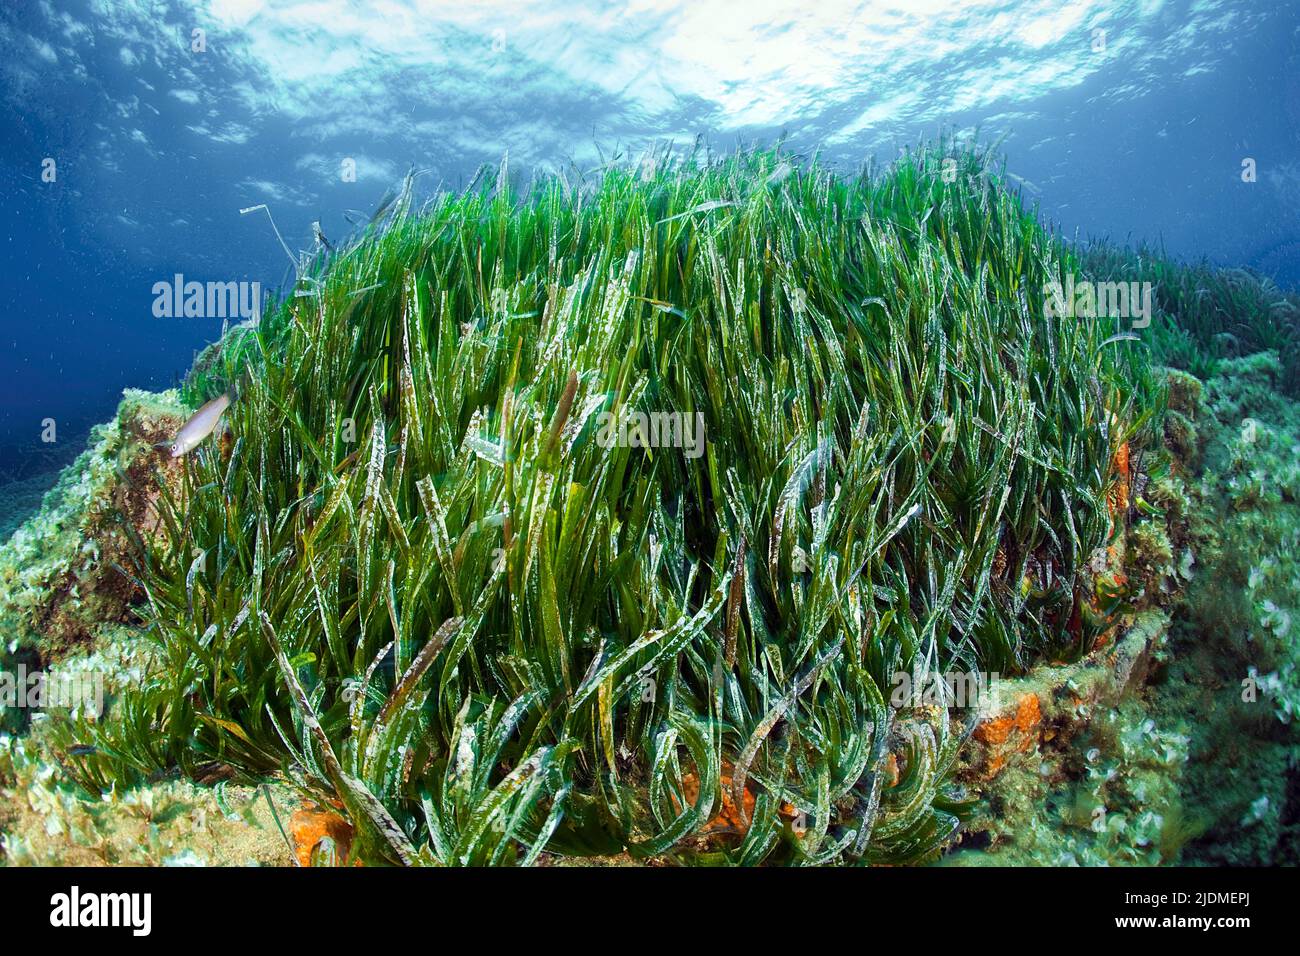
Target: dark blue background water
x,y
158,146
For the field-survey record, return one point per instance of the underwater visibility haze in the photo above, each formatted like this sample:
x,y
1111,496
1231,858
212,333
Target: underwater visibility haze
x,y
650,433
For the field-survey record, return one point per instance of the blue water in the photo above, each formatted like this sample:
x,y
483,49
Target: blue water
x,y
156,146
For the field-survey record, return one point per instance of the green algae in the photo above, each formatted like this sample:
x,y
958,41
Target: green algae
x,y
1232,670
1200,765
1112,798
61,577
57,573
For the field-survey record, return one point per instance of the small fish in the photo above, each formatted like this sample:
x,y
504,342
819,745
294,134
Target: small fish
x,y
320,236
200,426
782,171
709,206
1033,188
396,198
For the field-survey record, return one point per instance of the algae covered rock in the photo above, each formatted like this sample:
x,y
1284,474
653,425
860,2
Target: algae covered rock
x,y
1232,677
1184,391
1031,716
1180,437
66,612
47,820
1185,750
66,569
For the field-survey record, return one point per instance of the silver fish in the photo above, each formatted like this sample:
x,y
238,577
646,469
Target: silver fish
x,y
779,176
199,427
320,236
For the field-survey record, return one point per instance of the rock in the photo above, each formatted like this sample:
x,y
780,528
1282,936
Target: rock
x,y
1052,704
1184,392
1181,439
61,572
1013,730
727,819
310,827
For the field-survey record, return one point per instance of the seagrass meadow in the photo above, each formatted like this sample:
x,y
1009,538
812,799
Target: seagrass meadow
x,y
414,579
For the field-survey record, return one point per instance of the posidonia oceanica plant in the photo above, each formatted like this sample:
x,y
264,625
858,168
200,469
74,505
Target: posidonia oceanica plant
x,y
461,569
1206,314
